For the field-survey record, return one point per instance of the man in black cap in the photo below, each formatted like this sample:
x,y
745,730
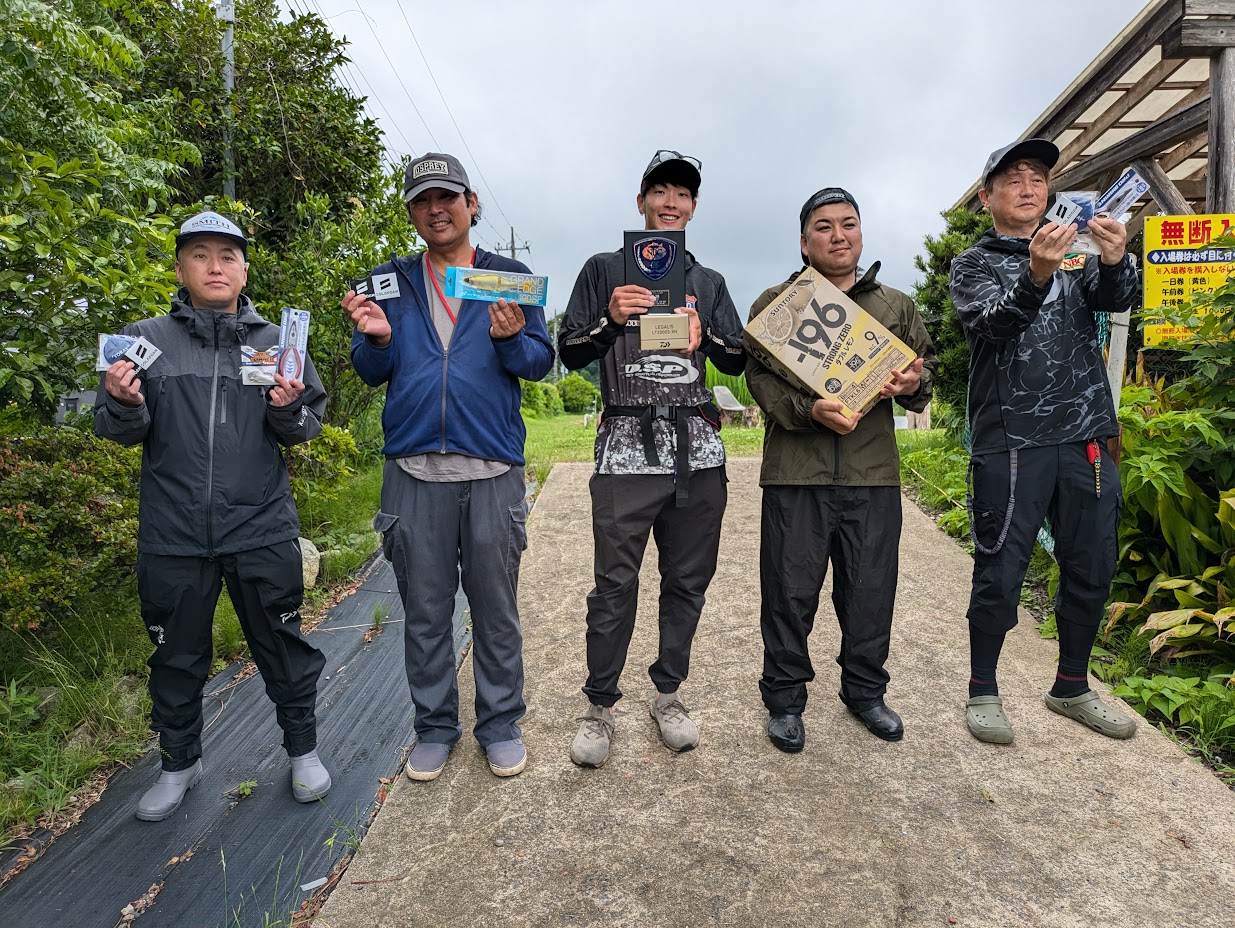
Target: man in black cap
x,y
216,506
831,493
453,496
657,408
1040,413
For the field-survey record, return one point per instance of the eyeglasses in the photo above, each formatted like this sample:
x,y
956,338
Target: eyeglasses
x,y
668,154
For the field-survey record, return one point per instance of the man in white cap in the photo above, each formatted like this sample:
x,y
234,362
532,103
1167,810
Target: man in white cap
x,y
216,506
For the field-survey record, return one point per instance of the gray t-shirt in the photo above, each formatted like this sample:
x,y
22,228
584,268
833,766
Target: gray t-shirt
x,y
438,466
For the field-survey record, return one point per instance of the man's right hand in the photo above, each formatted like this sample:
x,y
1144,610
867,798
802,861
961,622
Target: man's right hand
x,y
1047,249
828,412
368,317
629,300
123,385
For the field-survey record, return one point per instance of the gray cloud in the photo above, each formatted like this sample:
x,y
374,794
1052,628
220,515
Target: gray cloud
x,y
563,104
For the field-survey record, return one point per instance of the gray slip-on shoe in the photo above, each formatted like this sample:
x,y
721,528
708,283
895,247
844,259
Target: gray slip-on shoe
x,y
677,730
591,745
427,760
1092,712
986,721
164,798
506,758
310,778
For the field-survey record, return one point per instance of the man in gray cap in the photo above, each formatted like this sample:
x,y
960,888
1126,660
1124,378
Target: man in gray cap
x,y
831,494
1040,413
453,503
216,506
660,463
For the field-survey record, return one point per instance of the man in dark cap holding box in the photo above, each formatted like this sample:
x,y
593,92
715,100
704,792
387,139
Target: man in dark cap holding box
x,y
831,494
1040,414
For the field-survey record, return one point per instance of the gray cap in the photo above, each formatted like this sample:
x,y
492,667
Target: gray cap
x,y
433,169
823,198
1035,149
211,223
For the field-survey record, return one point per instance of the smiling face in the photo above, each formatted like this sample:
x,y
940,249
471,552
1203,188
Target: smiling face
x,y
1016,197
213,270
666,206
832,241
442,217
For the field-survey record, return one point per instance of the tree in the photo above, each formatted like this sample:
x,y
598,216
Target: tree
x,y
578,395
82,174
295,128
963,228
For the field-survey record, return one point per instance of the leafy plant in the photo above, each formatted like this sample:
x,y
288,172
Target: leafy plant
x,y
577,394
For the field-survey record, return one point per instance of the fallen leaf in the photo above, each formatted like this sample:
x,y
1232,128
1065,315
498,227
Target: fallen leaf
x,y
985,795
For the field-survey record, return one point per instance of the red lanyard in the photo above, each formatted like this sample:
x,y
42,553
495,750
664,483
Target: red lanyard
x,y
438,287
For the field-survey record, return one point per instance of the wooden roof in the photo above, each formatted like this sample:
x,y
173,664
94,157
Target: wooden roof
x,y
1144,101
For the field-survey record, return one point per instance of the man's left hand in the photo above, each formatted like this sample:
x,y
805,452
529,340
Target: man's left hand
x,y
696,331
285,392
506,318
1111,237
903,383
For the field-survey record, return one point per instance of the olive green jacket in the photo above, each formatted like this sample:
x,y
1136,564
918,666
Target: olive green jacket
x,y
799,451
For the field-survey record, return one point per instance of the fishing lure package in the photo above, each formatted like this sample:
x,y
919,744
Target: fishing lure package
x,y
470,283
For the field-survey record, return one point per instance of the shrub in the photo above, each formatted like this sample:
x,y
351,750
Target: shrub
x,y
540,399
577,394
68,501
319,467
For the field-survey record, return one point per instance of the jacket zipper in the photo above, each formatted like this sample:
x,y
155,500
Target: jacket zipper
x,y
445,365
214,384
223,405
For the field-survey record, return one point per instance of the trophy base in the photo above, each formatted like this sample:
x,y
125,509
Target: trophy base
x,y
669,331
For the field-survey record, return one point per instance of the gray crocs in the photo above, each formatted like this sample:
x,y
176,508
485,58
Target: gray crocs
x,y
986,721
1092,712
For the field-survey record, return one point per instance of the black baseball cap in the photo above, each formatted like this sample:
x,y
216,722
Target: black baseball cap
x,y
673,167
823,198
211,223
434,169
1035,149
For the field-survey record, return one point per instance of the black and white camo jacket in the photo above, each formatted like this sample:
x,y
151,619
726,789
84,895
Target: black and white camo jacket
x,y
1036,375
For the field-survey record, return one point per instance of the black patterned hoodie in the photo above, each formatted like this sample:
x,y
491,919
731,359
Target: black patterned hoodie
x,y
1036,375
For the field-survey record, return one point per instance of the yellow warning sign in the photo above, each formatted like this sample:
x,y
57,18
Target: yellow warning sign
x,y
1180,262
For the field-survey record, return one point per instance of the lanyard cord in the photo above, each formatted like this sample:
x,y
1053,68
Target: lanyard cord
x,y
438,287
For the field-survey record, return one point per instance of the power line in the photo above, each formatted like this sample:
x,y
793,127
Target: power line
x,y
451,114
406,92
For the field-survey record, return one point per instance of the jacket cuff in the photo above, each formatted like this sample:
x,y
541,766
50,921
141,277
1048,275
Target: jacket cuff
x,y
122,410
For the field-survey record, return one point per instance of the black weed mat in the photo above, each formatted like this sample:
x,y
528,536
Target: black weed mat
x,y
223,860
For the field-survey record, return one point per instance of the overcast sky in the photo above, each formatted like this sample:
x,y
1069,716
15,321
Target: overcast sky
x,y
563,103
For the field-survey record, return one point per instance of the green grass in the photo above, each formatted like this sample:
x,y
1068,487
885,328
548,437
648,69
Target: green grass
x,y
76,696
565,438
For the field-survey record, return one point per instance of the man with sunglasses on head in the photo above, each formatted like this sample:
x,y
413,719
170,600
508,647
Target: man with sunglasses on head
x,y
453,503
831,494
660,463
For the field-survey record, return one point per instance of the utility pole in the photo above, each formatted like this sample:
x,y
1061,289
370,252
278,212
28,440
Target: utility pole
x,y
513,249
227,13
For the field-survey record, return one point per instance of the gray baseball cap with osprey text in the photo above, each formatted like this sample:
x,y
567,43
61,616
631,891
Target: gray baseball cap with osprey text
x,y
434,169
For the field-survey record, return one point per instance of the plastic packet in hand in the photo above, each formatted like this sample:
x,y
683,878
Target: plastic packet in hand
x,y
112,349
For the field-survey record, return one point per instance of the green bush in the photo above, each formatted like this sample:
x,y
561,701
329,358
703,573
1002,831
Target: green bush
x,y
68,501
319,468
578,394
540,399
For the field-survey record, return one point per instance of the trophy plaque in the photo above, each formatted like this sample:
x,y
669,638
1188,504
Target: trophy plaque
x,y
656,260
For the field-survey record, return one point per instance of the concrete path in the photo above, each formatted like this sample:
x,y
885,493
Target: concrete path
x,y
1063,828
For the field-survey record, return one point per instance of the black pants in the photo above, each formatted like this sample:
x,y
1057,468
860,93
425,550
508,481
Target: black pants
x,y
625,508
178,598
1055,483
858,529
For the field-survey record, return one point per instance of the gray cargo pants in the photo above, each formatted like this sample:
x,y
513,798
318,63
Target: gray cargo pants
x,y
436,535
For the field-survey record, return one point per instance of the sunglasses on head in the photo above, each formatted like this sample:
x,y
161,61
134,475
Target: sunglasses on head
x,y
668,154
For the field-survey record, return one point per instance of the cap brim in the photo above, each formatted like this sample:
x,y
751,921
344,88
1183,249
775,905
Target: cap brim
x,y
429,185
185,237
1035,149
